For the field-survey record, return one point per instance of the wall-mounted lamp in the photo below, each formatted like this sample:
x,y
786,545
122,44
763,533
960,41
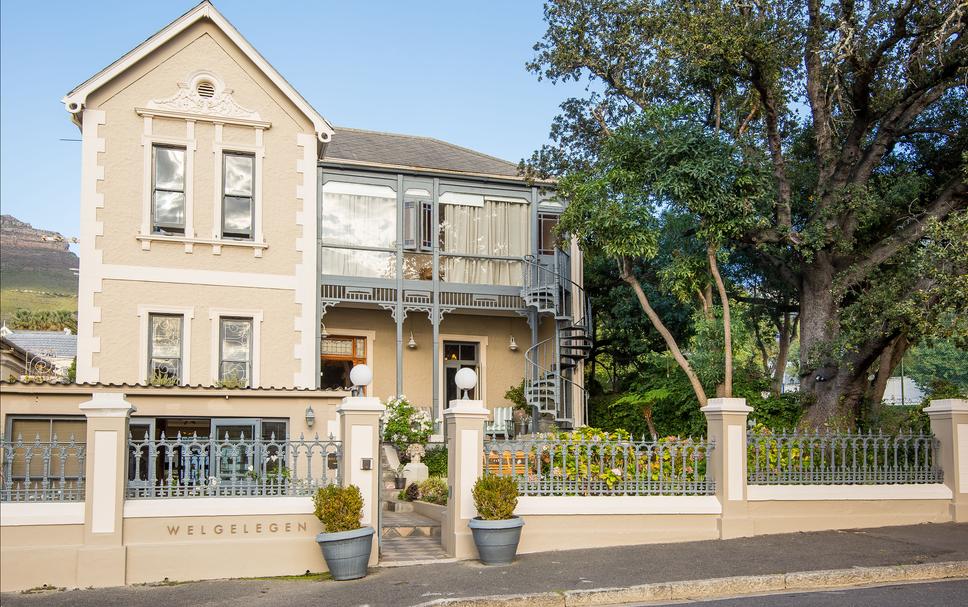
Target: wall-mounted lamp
x,y
412,344
465,379
360,377
310,416
513,346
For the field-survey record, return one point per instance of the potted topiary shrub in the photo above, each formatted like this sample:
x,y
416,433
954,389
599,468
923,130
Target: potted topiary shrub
x,y
496,529
345,543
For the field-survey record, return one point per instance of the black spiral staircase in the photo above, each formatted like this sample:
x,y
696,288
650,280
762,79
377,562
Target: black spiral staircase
x,y
552,364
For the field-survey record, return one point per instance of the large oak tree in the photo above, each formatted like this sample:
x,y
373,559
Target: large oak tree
x,y
861,110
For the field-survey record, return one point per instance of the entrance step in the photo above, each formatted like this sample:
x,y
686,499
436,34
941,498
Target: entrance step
x,y
405,551
397,506
410,525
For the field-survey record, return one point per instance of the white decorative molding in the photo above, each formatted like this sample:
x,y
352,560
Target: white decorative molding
x,y
618,504
763,493
89,279
220,105
16,514
306,323
217,506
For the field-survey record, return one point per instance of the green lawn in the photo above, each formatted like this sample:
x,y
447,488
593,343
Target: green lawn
x,y
13,299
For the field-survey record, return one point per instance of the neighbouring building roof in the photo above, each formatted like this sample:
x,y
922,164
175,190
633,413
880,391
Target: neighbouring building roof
x,y
360,147
48,344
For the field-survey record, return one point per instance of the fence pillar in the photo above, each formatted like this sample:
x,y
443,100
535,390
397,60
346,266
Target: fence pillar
x,y
359,424
726,426
464,420
102,559
949,424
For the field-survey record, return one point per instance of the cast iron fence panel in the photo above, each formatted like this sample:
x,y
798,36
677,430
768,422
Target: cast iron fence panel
x,y
568,465
193,466
841,458
39,471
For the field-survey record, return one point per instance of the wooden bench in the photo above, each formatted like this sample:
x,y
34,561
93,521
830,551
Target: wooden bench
x,y
504,463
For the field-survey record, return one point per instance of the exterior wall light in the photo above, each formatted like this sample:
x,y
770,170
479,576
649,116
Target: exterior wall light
x,y
310,416
412,344
360,376
465,379
513,346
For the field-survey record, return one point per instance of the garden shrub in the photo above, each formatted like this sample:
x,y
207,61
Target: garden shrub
x,y
436,461
434,490
406,425
496,497
412,492
339,508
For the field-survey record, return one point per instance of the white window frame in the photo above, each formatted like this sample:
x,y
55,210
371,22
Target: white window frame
x,y
215,316
187,314
148,142
219,148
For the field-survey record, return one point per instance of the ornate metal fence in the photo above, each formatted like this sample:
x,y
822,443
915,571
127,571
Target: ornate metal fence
x,y
38,471
595,463
192,466
849,458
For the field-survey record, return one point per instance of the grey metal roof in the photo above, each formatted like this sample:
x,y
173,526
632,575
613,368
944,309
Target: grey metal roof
x,y
49,344
390,149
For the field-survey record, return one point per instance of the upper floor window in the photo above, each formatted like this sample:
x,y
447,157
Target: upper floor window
x,y
477,232
547,241
418,225
165,348
238,208
235,351
168,190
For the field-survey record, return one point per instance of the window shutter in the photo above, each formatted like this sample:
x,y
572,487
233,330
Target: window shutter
x,y
427,225
409,224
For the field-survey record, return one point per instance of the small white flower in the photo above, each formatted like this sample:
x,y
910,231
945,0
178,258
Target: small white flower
x,y
250,468
617,471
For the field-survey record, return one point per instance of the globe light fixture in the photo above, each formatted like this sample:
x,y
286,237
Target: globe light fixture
x,y
465,379
360,376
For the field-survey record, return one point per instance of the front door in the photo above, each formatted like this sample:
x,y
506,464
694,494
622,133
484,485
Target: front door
x,y
459,355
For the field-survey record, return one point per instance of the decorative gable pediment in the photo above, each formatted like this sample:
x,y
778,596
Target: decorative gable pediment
x,y
204,94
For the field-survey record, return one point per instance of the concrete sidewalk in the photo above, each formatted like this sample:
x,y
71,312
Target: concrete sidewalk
x,y
554,572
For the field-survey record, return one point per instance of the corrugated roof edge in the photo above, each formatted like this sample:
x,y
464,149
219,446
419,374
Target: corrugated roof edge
x,y
125,386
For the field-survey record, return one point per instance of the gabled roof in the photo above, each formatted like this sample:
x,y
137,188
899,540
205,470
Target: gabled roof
x,y
374,148
46,344
75,100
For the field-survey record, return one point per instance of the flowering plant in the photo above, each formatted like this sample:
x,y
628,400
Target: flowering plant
x,y
404,425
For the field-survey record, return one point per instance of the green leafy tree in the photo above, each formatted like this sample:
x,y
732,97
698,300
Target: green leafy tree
x,y
44,320
861,110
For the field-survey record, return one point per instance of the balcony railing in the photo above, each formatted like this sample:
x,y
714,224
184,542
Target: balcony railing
x,y
192,466
42,471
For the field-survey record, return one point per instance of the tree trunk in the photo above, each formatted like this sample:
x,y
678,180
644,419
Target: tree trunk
x,y
626,272
820,376
889,360
727,325
788,331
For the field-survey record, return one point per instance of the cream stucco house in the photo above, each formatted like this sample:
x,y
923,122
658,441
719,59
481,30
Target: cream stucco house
x,y
232,236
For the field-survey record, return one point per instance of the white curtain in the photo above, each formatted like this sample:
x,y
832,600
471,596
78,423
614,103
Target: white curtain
x,y
498,228
358,215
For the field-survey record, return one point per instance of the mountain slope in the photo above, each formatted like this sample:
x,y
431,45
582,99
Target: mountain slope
x,y
37,269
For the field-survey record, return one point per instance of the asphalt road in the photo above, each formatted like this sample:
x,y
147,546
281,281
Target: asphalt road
x,y
929,594
546,572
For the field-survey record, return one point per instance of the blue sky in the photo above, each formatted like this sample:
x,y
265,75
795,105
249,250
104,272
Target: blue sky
x,y
451,70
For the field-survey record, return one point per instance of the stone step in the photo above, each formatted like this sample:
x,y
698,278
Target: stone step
x,y
398,506
407,532
409,524
403,551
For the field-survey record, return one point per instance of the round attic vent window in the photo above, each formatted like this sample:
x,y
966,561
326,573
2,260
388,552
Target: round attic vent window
x,y
205,89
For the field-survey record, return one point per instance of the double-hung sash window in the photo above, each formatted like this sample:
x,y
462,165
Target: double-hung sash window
x,y
238,204
165,348
168,190
235,351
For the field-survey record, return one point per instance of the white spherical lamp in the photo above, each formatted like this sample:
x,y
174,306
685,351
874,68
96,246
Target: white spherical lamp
x,y
360,376
465,379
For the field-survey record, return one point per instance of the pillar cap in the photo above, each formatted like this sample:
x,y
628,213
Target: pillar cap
x,y
107,404
947,405
361,404
726,405
466,408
